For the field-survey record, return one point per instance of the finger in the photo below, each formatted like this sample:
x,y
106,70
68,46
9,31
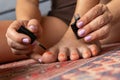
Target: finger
x,y
21,52
35,56
15,36
99,34
18,46
33,26
89,16
96,24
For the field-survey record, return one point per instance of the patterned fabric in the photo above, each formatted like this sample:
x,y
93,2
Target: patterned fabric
x,y
106,66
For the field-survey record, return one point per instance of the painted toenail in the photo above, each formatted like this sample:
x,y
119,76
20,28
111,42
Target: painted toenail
x,y
81,33
85,55
88,38
80,24
62,55
94,52
48,52
74,56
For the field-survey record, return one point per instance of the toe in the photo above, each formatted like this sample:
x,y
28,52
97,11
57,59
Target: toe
x,y
50,55
94,49
74,55
86,53
63,54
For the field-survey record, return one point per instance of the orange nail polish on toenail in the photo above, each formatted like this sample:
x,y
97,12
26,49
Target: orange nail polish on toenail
x,y
74,56
48,52
86,55
62,55
94,52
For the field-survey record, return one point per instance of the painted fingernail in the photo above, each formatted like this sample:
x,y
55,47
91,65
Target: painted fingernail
x,y
33,28
88,38
40,60
80,24
81,33
25,40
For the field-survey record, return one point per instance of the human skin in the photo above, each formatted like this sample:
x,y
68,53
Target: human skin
x,y
12,53
114,12
69,45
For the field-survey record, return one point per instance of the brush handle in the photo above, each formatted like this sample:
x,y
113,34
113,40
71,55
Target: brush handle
x,y
23,30
74,28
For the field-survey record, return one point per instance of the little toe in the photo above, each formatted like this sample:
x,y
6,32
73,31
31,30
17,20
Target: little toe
x,y
63,54
94,49
74,55
50,56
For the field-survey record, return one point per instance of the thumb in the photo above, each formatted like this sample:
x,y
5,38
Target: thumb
x,y
33,26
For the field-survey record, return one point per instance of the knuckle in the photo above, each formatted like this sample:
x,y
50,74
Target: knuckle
x,y
94,36
101,20
85,19
100,6
105,30
17,39
15,52
98,9
12,45
89,28
110,16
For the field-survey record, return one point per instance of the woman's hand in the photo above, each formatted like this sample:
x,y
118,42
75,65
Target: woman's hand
x,y
95,24
20,43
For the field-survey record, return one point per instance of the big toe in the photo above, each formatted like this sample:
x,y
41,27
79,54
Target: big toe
x,y
50,56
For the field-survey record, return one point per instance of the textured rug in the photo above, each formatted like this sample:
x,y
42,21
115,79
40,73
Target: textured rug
x,y
105,66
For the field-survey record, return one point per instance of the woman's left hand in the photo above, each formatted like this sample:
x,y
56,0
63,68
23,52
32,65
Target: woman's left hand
x,y
95,24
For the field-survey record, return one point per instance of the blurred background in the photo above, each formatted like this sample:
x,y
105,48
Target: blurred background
x,y
7,8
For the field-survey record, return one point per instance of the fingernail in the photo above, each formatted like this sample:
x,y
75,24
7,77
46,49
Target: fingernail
x,y
88,38
40,60
81,32
80,24
25,40
33,28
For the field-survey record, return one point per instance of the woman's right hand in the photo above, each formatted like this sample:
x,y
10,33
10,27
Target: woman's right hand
x,y
18,42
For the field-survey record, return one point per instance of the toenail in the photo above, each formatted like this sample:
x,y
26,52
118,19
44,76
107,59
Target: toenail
x,y
62,55
94,52
81,33
48,52
74,56
86,55
80,24
88,38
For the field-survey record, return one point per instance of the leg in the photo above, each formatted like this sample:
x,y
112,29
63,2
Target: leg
x,y
49,38
5,52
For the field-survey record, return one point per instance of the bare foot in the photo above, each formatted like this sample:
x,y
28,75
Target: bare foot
x,y
69,47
